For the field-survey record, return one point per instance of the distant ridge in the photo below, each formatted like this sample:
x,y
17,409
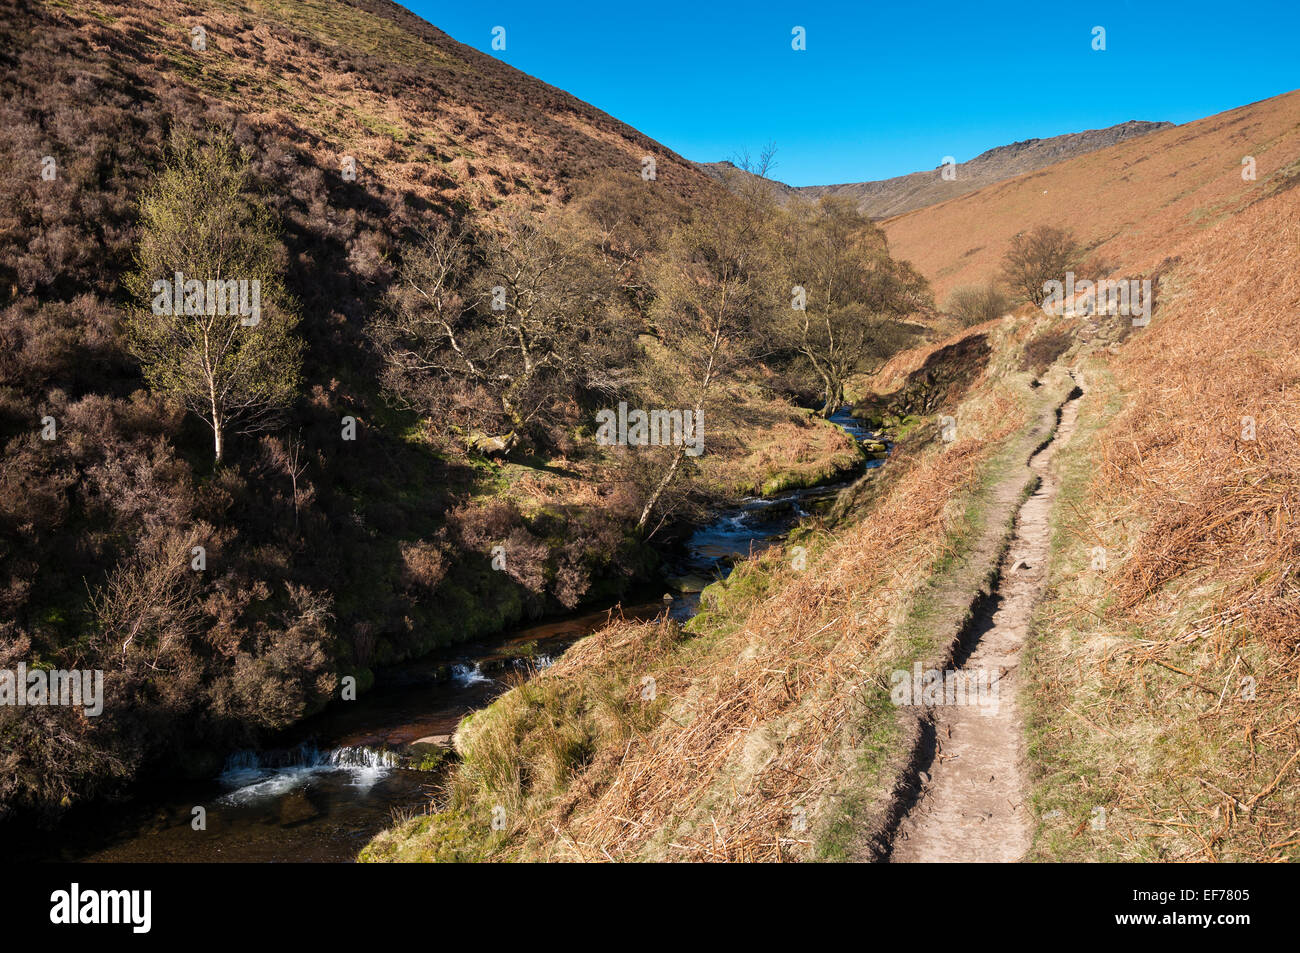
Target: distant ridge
x,y
905,193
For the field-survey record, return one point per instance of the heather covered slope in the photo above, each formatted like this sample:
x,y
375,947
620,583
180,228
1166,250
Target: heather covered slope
x,y
1131,205
97,524
431,124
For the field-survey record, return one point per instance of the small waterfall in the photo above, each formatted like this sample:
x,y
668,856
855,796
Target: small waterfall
x,y
256,774
534,663
362,757
468,674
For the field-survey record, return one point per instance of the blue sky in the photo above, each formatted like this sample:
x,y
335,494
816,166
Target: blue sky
x,y
886,88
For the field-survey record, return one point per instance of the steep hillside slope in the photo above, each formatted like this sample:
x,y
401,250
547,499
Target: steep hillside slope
x,y
429,122
1131,204
98,519
1164,670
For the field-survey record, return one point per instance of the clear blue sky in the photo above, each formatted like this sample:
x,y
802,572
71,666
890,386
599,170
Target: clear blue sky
x,y
886,88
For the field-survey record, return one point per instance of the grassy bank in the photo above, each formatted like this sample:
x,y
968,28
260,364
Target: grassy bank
x,y
1163,702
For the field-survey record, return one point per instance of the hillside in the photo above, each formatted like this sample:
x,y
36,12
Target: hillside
x,y
430,123
1131,205
110,484
884,198
1164,673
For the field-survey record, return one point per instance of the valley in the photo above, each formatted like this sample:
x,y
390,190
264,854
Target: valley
x,y
432,467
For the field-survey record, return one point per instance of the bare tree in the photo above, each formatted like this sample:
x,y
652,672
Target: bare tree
x,y
627,219
509,345
715,294
975,304
148,609
289,456
846,294
1042,254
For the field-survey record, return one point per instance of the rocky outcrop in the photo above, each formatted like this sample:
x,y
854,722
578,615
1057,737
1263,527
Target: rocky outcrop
x,y
940,381
905,193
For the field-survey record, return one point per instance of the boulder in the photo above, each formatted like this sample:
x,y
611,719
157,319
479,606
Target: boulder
x,y
489,445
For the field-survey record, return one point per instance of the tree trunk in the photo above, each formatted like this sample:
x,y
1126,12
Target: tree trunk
x,y
658,492
828,402
699,405
218,438
216,418
834,396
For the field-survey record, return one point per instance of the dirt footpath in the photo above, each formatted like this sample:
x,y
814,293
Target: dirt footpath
x,y
972,801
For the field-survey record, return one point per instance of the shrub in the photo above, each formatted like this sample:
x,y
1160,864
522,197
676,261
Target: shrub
x,y
975,304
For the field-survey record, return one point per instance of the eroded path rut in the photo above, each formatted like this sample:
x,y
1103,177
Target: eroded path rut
x,y
972,804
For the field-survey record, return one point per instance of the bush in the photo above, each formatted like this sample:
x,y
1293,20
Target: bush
x,y
975,304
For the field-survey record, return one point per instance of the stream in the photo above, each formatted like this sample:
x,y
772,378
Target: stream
x,y
324,797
